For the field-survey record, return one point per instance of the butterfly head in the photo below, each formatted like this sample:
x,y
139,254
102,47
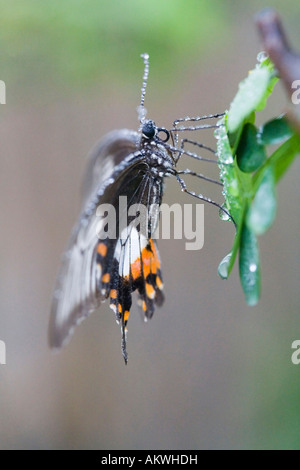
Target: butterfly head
x,y
151,132
149,129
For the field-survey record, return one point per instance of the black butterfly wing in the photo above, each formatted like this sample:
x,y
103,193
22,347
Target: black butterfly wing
x,y
132,263
110,151
76,293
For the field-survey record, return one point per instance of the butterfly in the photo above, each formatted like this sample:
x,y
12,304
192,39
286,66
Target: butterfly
x,y
126,165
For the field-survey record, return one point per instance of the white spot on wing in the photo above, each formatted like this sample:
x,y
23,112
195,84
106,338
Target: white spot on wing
x,y
128,249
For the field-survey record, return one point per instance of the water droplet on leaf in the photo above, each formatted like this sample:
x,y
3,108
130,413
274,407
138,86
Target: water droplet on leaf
x,y
223,215
253,268
223,266
261,56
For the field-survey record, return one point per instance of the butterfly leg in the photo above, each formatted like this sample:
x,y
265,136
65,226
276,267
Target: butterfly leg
x,y
203,198
187,119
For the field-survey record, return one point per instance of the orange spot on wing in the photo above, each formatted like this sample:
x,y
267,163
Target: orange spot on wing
x,y
150,291
102,249
136,268
105,278
113,294
159,283
149,262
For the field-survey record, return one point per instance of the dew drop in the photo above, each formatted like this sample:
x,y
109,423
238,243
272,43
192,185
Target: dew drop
x,y
223,266
253,267
223,215
228,158
142,111
261,56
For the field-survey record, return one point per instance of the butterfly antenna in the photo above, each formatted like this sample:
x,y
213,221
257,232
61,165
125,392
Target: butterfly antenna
x,y
141,108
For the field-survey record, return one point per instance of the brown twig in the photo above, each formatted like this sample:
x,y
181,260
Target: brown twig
x,y
286,61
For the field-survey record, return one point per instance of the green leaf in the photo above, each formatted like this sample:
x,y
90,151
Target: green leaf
x,y
262,104
283,164
249,265
248,176
262,211
252,95
235,184
275,131
280,160
250,153
283,157
227,263
227,171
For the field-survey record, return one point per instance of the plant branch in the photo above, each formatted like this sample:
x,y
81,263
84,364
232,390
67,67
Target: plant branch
x,y
286,61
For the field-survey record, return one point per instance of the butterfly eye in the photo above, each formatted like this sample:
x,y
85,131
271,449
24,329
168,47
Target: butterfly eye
x,y
149,129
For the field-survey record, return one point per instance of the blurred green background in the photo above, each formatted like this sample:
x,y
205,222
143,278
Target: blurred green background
x,y
207,371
